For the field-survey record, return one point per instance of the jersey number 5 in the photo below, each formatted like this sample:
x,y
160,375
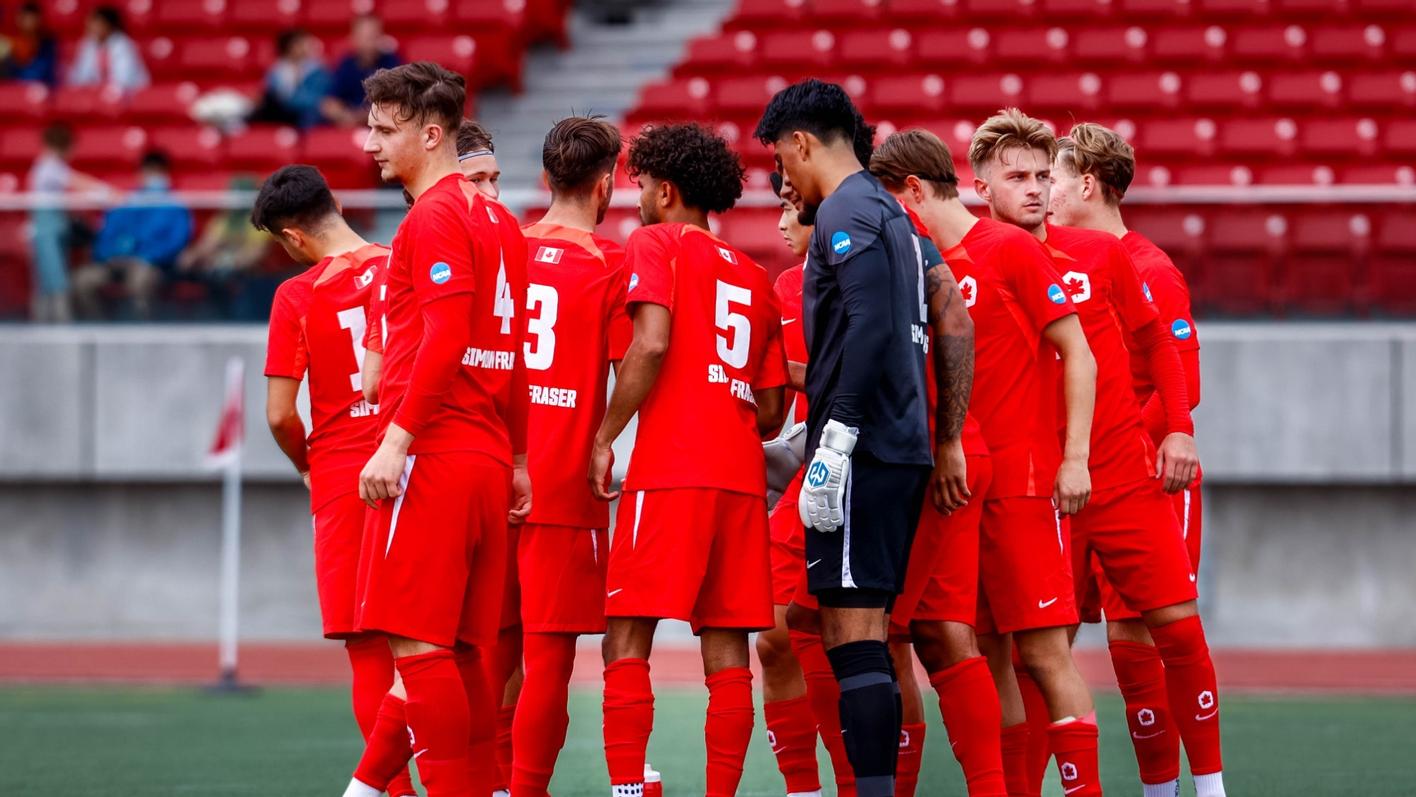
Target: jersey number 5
x,y
541,351
735,324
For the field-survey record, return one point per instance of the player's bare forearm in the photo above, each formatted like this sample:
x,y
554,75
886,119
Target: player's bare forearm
x,y
285,423
796,376
637,371
953,333
369,377
1078,383
771,411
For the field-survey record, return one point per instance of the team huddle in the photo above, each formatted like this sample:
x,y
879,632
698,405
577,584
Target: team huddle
x,y
989,442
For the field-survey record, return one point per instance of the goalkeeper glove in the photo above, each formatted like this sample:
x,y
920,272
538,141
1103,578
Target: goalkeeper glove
x,y
823,490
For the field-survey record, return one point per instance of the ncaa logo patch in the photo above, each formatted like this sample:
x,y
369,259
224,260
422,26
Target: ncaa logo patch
x,y
1181,329
549,254
841,243
1146,289
1056,295
440,273
633,281
817,474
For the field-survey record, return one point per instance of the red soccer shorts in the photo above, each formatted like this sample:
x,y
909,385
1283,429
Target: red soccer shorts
x,y
941,583
693,554
563,579
339,532
1025,567
436,555
788,545
511,597
1164,578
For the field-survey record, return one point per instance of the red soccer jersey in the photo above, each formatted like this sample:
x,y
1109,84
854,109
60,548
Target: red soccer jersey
x,y
788,291
575,326
1013,292
698,425
453,241
1164,285
1102,283
317,327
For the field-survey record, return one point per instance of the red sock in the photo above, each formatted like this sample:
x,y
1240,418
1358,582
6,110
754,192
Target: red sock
x,y
502,663
728,729
1039,717
482,702
386,749
968,701
538,731
1141,678
825,696
505,716
1074,744
629,718
372,664
438,721
911,755
791,730
1013,741
1193,689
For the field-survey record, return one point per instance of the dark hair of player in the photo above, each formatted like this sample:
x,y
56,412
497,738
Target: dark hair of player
x,y
775,178
1101,152
422,92
29,7
155,160
472,136
286,40
294,196
578,150
864,141
110,15
920,153
813,106
58,137
706,171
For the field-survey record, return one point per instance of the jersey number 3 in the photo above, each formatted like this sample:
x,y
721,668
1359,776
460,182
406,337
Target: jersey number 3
x,y
540,348
733,352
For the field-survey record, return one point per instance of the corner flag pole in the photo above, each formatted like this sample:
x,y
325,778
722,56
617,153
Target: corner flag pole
x,y
226,454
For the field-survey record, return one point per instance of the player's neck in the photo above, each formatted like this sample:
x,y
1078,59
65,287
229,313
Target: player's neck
x,y
836,166
682,214
948,222
343,241
438,165
567,213
1107,218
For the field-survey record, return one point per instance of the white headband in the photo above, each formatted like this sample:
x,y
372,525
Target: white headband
x,y
476,153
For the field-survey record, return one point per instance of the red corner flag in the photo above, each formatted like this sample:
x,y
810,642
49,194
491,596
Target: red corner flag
x,y
231,428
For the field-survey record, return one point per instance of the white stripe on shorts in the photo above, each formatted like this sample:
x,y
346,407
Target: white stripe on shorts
x,y
847,580
638,513
398,502
1185,519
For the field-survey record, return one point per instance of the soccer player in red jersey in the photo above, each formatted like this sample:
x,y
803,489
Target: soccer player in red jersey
x,y
938,609
1024,322
449,472
317,331
477,158
691,541
1093,169
576,326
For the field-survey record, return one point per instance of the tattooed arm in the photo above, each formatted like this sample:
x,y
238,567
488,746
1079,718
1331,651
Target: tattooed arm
x,y
953,353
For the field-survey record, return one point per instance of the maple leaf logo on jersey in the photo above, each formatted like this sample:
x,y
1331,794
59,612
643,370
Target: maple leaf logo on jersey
x,y
549,254
1079,286
1146,289
968,288
363,280
727,255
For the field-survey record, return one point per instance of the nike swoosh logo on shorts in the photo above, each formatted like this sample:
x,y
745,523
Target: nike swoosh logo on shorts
x,y
1203,717
1074,788
614,592
810,565
1045,604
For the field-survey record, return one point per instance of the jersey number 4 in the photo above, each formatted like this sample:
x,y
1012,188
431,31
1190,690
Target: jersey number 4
x,y
733,352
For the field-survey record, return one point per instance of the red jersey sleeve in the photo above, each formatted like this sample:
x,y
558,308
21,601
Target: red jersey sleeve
x,y
772,371
286,349
648,260
620,327
1135,309
374,314
1172,301
441,257
1029,272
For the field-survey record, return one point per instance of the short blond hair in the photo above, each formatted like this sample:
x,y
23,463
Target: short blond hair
x,y
1008,129
1101,152
920,153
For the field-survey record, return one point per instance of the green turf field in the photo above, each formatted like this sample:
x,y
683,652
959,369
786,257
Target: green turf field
x,y
71,741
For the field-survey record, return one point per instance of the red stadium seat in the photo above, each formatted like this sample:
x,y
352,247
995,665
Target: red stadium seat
x,y
1291,173
727,52
460,53
1340,136
1243,246
24,100
66,18
162,103
208,59
1348,43
191,148
108,149
84,104
911,95
1151,90
1269,43
1386,90
263,16
1304,89
1258,137
1402,45
766,14
1400,137
1325,273
1310,8
1377,173
885,49
262,148
338,154
985,92
415,15
182,17
1009,10
949,46
924,12
1189,44
845,12
674,99
1236,8
1394,263
1059,9
1110,44
794,51
328,16
1031,45
1148,9
746,96
754,230
1066,91
1178,136
1224,89
19,146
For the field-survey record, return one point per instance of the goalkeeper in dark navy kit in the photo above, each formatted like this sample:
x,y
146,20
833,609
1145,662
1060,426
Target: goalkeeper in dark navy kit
x,y
869,451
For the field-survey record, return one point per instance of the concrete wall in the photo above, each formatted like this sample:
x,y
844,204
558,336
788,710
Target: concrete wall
x,y
109,523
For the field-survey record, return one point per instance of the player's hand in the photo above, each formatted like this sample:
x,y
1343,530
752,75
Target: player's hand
x,y
823,489
382,476
1073,488
520,495
305,477
949,483
1176,461
602,466
785,455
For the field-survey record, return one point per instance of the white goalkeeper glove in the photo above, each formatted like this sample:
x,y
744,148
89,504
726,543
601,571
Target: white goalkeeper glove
x,y
823,490
784,456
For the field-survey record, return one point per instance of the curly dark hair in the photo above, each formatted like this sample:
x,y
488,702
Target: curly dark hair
x,y
823,109
706,171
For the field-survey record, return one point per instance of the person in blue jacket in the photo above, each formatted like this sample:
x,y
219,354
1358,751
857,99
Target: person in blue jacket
x,y
138,242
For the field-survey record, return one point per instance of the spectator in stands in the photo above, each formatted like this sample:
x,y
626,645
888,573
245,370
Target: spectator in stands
x,y
107,56
138,242
228,249
344,104
31,53
51,233
296,83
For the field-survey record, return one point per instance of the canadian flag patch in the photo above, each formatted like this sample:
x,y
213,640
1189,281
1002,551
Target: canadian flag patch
x,y
549,254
